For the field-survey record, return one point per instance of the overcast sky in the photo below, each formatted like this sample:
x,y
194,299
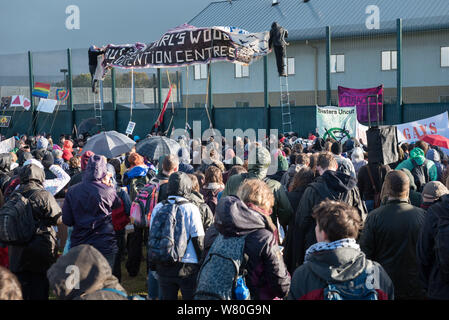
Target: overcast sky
x,y
41,25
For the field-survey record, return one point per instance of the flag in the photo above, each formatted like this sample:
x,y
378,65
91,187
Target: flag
x,y
16,101
41,90
161,116
62,94
26,104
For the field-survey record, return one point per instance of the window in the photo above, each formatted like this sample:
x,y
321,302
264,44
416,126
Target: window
x,y
198,105
241,71
444,99
445,57
241,104
290,63
337,63
200,71
389,60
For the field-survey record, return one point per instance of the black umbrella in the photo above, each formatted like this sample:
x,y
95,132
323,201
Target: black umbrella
x,y
155,147
87,125
109,144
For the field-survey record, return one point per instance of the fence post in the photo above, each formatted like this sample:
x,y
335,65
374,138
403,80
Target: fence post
x,y
31,80
399,69
69,68
265,92
328,66
114,102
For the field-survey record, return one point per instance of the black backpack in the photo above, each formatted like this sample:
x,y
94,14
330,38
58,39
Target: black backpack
x,y
420,174
17,223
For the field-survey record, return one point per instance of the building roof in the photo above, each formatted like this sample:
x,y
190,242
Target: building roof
x,y
307,21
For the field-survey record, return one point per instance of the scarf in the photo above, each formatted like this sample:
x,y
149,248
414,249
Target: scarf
x,y
322,246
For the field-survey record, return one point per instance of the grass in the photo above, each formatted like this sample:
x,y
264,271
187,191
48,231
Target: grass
x,y
135,285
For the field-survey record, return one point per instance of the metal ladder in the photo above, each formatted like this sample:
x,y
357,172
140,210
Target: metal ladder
x,y
98,108
285,105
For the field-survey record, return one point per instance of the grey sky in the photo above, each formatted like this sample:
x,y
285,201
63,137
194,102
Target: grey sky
x,y
41,25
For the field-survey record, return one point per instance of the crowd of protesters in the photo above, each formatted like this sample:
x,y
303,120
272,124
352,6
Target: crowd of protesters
x,y
324,217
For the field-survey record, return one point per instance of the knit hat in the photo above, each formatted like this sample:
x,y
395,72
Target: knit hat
x,y
433,191
85,159
42,143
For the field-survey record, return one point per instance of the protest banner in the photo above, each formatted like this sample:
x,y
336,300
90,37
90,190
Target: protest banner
x,y
337,123
187,45
348,97
412,131
7,145
47,105
5,121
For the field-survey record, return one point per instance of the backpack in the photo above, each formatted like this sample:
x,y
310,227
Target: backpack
x,y
442,245
420,174
221,270
17,223
136,184
360,288
167,241
144,203
10,186
119,217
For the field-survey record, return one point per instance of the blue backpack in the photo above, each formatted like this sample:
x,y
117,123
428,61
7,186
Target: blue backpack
x,y
167,240
360,288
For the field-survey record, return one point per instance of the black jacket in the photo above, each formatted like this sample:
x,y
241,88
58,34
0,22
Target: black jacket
x,y
331,185
267,276
38,255
5,173
378,173
389,237
277,35
429,270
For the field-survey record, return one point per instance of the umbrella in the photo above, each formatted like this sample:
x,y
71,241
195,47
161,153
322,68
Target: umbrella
x,y
109,144
436,140
155,147
87,125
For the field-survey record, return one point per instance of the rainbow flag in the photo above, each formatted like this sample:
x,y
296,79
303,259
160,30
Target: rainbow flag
x,y
41,90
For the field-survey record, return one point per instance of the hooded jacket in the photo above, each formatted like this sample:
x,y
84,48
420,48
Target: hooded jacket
x,y
418,155
428,266
88,207
334,266
267,276
334,185
389,237
282,209
277,35
95,274
39,254
433,155
5,173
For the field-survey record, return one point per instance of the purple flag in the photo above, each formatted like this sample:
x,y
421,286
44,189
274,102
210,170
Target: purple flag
x,y
359,97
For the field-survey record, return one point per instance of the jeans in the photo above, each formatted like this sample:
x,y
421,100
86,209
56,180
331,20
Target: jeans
x,y
35,286
154,291
135,242
111,259
171,285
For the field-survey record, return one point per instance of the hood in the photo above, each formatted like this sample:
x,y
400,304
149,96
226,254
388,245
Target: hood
x,y
234,218
341,264
410,177
275,25
433,155
282,163
179,184
96,169
94,273
5,162
418,155
338,181
67,154
31,173
357,154
262,161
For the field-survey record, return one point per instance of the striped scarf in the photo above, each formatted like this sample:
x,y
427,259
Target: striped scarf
x,y
321,246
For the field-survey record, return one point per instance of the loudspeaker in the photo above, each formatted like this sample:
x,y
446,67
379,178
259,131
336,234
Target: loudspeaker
x,y
382,144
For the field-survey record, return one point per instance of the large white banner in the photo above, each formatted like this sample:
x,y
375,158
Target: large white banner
x,y
337,123
413,131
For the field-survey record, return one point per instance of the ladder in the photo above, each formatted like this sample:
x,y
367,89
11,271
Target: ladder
x,y
98,108
285,105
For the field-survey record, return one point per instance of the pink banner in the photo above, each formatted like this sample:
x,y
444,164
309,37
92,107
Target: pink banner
x,y
359,97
